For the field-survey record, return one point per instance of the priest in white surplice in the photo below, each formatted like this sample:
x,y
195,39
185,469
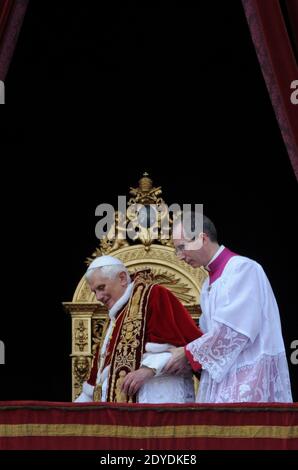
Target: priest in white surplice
x,y
241,353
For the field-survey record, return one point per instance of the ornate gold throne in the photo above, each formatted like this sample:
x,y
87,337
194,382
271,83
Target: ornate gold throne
x,y
148,249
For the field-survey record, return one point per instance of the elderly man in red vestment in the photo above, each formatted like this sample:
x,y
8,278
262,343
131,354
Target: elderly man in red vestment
x,y
145,321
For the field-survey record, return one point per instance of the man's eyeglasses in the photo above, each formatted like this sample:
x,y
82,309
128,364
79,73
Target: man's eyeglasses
x,y
180,249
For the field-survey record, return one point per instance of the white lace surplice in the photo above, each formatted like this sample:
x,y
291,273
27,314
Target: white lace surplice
x,y
242,350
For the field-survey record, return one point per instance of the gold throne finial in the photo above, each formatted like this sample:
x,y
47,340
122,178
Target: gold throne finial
x,y
145,183
147,212
145,193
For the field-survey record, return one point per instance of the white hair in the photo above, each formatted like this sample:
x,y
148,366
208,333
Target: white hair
x,y
109,271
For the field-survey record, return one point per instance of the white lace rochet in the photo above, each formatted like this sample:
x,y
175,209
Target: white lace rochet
x,y
230,376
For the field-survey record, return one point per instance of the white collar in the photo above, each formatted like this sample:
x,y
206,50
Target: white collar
x,y
220,250
120,302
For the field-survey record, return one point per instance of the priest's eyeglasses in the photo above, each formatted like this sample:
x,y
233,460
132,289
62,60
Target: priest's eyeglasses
x,y
180,249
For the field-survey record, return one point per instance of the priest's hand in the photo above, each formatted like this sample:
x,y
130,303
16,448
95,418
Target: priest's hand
x,y
178,364
134,380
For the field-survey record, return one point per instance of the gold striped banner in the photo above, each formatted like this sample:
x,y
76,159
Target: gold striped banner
x,y
136,432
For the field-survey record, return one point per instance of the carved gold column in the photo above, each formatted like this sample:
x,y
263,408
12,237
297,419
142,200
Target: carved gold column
x,y
81,349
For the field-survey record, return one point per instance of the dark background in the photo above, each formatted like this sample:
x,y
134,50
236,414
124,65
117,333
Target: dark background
x,y
97,96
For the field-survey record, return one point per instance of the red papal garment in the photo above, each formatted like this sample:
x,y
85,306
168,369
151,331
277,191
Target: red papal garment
x,y
167,323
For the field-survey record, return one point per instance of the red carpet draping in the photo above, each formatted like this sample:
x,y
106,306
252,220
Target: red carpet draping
x,y
69,426
276,54
11,18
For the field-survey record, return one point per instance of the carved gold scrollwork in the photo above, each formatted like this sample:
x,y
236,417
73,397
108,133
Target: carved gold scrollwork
x,y
97,329
81,336
81,368
80,373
